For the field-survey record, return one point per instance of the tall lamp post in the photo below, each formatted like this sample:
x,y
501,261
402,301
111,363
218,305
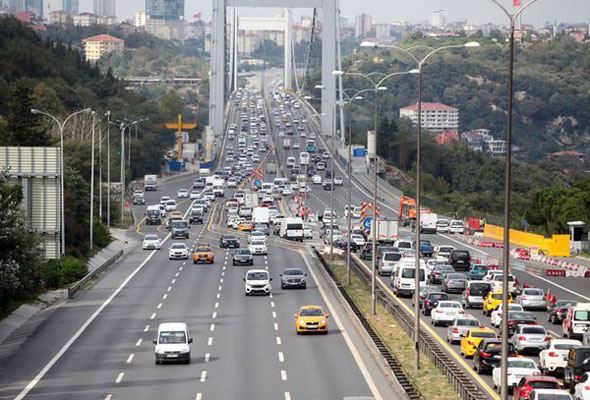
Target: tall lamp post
x,y
108,115
61,126
92,183
507,191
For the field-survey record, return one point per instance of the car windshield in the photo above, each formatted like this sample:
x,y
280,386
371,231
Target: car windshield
x,y
460,255
479,288
311,312
404,245
438,296
533,292
178,246
171,337
553,396
468,322
520,316
449,304
293,272
456,277
582,315
257,276
480,267
410,273
391,256
446,268
151,237
483,334
565,303
258,243
243,252
543,384
520,363
229,237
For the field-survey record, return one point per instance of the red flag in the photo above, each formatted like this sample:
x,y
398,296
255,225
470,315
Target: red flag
x,y
516,3
198,16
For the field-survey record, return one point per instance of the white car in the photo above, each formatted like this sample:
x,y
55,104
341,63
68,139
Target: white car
x,y
173,343
446,312
194,194
182,194
151,242
257,281
442,225
459,327
555,355
171,205
359,240
496,318
258,247
296,146
287,191
164,199
325,155
443,251
257,235
338,181
456,226
496,282
532,298
550,394
320,166
518,367
178,251
529,337
232,183
307,233
582,389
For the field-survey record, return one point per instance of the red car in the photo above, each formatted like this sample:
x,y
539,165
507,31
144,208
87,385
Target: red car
x,y
529,383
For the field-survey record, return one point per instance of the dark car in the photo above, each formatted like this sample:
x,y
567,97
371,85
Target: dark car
x,y
556,311
424,290
342,244
527,384
242,257
516,318
431,301
439,272
367,251
196,217
489,355
293,278
460,260
578,364
327,185
227,241
262,228
454,283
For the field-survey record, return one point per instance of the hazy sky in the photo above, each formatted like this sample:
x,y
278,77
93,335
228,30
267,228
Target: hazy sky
x,y
477,11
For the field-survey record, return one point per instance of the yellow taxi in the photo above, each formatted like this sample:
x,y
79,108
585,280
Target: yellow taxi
x,y
204,253
175,214
245,226
473,337
493,301
311,319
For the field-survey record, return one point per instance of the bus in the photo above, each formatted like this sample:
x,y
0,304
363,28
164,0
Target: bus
x,y
310,146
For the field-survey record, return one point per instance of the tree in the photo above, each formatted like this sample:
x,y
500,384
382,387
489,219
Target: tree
x,y
23,126
171,104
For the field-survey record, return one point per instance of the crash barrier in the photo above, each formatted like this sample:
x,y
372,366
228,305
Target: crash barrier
x,y
461,381
556,246
74,289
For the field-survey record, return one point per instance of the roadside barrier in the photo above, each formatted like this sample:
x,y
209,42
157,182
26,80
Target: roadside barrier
x,y
74,289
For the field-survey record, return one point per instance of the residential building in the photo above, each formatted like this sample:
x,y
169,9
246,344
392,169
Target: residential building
x,y
85,19
59,17
363,24
165,19
496,148
140,18
97,46
104,8
439,19
71,6
436,117
383,31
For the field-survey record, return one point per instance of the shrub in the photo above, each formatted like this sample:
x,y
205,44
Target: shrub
x,y
57,273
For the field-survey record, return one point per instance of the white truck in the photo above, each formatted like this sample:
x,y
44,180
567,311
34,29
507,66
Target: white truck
x,y
261,215
150,182
387,230
251,199
292,229
286,144
428,222
219,187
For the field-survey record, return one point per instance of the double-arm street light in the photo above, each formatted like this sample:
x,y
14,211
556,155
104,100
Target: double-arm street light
x,y
61,126
420,62
507,189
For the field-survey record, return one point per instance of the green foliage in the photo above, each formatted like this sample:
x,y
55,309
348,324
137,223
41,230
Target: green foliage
x,y
57,273
20,255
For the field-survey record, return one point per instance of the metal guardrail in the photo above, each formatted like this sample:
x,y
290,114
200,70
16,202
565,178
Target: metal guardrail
x,y
393,363
73,290
461,381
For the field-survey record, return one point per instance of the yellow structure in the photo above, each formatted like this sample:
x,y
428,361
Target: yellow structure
x,y
180,126
97,46
556,246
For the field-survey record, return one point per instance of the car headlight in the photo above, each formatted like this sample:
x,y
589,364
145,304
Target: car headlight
x,y
185,350
160,351
301,322
323,321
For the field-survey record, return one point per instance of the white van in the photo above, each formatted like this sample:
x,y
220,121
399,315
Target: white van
x,y
404,279
292,229
290,162
304,158
266,187
173,343
279,182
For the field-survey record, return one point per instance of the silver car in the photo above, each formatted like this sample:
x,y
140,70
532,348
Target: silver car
x,y
528,337
388,261
459,327
532,298
454,282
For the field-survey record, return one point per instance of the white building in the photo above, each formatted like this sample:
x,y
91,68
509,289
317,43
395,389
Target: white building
x,y
97,46
85,19
362,25
140,18
496,148
439,19
382,30
436,117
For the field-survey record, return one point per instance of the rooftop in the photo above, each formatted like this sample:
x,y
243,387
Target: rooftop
x,y
431,107
102,38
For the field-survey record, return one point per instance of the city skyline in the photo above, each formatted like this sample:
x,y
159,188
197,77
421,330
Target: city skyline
x,y
544,11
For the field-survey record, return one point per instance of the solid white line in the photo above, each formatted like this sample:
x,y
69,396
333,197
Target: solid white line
x,y
209,341
138,343
281,357
276,326
283,375
207,356
214,315
120,377
212,328
164,297
287,396
351,346
203,376
199,396
147,328
159,306
130,358
153,316
278,340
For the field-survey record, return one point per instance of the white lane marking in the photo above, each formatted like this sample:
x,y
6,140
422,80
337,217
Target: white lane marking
x,y
109,397
173,281
180,269
147,328
281,357
218,295
214,315
120,377
276,326
203,376
130,358
274,314
212,328
278,340
557,335
223,273
223,269
272,304
266,267
283,375
153,316
216,305
178,273
209,341
287,396
159,306
221,280
199,396
164,297
219,287
351,346
464,244
169,288
138,343
207,356
270,295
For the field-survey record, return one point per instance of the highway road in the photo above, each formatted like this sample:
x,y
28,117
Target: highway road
x,y
99,345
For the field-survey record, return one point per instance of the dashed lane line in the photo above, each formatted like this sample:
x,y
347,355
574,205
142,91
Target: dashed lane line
x,y
120,377
138,343
281,357
159,306
212,328
130,358
203,376
210,341
147,328
279,340
283,375
207,357
153,316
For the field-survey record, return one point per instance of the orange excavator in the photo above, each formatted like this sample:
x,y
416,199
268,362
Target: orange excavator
x,y
407,211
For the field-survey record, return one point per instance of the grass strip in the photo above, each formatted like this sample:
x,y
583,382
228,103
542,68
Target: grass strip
x,y
430,381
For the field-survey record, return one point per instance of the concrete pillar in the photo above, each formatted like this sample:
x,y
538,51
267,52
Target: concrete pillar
x,y
216,84
328,65
288,54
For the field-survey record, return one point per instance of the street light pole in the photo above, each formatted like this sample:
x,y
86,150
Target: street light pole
x,y
100,171
61,126
507,192
122,128
108,115
92,184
